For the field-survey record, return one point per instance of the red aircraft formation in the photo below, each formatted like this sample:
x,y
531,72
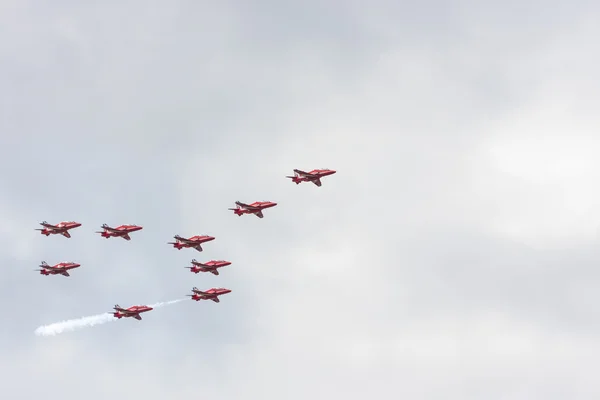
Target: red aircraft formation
x,y
195,242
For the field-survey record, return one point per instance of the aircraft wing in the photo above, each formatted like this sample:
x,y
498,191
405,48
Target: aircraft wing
x,y
126,236
138,317
303,173
203,266
259,214
246,206
317,182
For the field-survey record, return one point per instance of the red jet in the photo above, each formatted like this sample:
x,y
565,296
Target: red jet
x,y
58,269
120,231
131,312
254,208
210,266
211,294
62,228
193,242
313,176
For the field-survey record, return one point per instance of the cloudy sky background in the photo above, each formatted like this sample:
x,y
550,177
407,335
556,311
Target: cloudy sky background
x,y
454,255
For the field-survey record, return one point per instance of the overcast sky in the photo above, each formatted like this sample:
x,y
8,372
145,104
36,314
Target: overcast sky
x,y
455,254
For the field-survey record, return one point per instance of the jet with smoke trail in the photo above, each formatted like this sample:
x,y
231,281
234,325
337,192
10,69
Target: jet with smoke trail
x,y
90,321
131,312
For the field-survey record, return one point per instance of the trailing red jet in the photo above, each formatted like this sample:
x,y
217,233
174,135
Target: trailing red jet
x,y
211,294
131,312
313,176
120,231
254,208
210,266
192,242
58,269
62,228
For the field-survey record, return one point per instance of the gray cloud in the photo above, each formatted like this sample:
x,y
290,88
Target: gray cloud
x,y
452,256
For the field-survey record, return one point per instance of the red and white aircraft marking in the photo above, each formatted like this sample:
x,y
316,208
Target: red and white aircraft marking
x,y
120,231
313,176
131,312
62,228
254,208
210,266
193,242
57,269
211,294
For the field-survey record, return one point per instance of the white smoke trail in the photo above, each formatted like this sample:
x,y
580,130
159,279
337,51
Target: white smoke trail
x,y
86,322
166,303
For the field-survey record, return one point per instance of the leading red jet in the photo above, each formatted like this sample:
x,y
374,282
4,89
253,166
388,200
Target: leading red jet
x,y
58,269
211,294
192,242
131,312
254,208
210,266
120,231
313,176
62,228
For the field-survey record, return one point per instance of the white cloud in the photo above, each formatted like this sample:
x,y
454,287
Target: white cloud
x,y
402,276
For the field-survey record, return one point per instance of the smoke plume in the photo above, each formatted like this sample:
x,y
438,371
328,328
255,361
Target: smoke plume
x,y
87,322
